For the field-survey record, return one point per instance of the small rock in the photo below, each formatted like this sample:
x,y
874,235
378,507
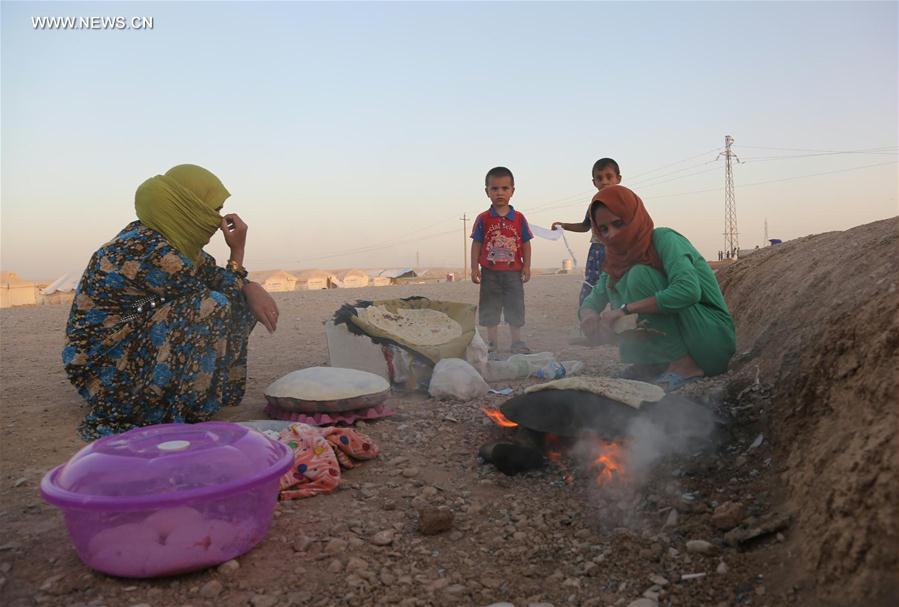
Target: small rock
x,y
211,589
492,583
722,568
500,605
572,583
701,547
434,520
410,472
228,567
728,515
383,538
439,584
691,576
643,602
355,565
19,482
750,530
51,581
671,521
757,442
429,491
336,546
263,600
456,589
658,579
335,566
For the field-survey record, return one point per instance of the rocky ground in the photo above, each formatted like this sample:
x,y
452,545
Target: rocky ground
x,y
704,527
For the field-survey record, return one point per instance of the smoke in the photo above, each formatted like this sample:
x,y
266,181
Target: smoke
x,y
673,427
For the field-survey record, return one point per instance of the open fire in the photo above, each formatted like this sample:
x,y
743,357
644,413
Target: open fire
x,y
605,459
498,418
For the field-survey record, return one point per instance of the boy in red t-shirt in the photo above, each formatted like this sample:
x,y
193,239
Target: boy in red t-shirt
x,y
501,260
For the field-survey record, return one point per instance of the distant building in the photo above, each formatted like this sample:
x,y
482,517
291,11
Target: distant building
x,y
16,292
311,280
275,281
61,290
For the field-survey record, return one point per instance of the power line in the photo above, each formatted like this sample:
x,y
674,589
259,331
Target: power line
x,y
747,185
633,177
756,147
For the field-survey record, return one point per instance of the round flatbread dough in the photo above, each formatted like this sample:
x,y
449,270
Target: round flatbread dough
x,y
627,391
327,389
424,327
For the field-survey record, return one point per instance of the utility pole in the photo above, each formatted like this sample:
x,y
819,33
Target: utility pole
x,y
731,236
766,243
464,219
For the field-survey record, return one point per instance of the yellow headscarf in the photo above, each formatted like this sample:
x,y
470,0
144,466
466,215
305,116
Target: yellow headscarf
x,y
182,205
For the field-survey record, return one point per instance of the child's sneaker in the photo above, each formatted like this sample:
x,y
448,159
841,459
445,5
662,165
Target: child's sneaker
x,y
519,347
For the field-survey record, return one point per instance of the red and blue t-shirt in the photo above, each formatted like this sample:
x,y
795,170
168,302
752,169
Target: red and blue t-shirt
x,y
501,238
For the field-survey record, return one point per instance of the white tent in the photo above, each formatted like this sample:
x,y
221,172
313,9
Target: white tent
x,y
67,283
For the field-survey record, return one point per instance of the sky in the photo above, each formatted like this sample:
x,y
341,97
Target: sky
x,y
358,134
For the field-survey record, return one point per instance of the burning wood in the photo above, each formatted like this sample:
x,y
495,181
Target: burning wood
x,y
498,418
608,461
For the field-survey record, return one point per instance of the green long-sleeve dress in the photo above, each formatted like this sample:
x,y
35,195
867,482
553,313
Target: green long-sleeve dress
x,y
694,317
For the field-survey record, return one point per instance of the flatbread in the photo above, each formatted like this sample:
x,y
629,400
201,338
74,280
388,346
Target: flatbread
x,y
626,391
421,326
327,384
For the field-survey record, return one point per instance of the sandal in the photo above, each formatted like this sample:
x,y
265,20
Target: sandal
x,y
643,372
671,381
519,347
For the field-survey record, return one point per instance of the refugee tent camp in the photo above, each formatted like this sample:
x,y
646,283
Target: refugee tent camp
x,y
61,290
353,279
311,280
16,292
275,281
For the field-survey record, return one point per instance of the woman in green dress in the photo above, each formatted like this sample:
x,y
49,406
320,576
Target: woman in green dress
x,y
657,274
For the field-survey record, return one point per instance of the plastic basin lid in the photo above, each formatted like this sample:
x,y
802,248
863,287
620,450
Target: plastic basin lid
x,y
164,465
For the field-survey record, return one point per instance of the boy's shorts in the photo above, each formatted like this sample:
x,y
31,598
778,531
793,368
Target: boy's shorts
x,y
501,292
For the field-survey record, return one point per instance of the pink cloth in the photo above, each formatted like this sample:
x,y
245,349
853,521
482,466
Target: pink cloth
x,y
318,454
345,418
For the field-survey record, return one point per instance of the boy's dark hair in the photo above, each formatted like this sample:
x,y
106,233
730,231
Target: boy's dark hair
x,y
603,163
499,172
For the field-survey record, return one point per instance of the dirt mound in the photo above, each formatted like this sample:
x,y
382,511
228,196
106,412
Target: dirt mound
x,y
817,318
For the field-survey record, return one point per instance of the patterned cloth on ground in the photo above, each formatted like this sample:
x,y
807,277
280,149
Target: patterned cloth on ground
x,y
318,455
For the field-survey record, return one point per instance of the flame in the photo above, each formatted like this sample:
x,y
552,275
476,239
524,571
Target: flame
x,y
498,418
608,461
556,457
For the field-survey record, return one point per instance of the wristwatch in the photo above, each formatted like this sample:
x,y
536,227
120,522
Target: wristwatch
x,y
624,309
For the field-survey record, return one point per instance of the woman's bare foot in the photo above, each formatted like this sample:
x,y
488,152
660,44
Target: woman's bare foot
x,y
686,367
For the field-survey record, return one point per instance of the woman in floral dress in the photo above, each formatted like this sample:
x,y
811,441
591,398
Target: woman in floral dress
x,y
158,332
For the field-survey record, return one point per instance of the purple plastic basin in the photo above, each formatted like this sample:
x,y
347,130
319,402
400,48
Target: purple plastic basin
x,y
170,498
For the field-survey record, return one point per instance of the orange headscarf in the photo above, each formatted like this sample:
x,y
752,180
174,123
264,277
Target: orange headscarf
x,y
633,244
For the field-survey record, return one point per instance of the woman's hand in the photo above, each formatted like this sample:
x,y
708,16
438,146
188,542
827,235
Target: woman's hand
x,y
261,305
609,317
235,232
594,328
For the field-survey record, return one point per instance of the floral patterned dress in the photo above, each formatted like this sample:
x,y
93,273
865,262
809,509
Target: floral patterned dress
x,y
153,338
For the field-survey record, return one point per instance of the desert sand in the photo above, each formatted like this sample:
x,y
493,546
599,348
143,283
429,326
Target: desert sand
x,y
535,538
